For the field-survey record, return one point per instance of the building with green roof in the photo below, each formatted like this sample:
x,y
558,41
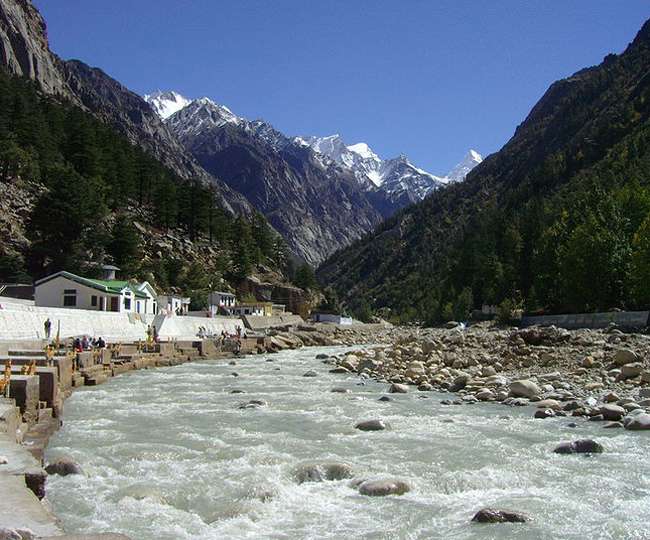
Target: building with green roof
x,y
68,290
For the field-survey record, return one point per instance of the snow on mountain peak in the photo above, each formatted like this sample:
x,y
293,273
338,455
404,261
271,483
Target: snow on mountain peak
x,y
462,169
363,150
166,103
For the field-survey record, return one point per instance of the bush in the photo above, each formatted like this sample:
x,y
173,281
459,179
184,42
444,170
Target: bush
x,y
505,311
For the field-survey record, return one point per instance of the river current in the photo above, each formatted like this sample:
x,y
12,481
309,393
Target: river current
x,y
168,455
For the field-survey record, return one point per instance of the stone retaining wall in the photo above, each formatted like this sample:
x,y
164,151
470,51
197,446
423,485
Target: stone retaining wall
x,y
185,328
20,322
260,323
623,319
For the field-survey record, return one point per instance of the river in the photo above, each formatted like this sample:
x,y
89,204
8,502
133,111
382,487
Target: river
x,y
167,455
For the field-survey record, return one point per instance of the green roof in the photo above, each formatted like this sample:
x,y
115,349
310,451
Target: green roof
x,y
117,285
111,286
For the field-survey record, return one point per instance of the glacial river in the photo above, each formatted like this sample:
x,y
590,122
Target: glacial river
x,y
167,455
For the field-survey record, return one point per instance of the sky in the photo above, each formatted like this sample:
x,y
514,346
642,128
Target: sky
x,y
425,78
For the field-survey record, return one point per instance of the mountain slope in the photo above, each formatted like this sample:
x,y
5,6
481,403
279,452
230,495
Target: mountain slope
x,y
316,207
559,218
25,52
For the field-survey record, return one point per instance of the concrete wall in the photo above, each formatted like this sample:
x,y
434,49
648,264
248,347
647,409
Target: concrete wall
x,y
332,318
187,328
259,323
624,319
22,322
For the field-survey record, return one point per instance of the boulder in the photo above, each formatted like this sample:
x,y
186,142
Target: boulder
x,y
485,394
371,425
581,446
610,425
253,404
340,390
632,370
320,472
612,412
381,488
548,404
493,515
397,388
310,373
544,413
637,422
625,356
63,467
524,388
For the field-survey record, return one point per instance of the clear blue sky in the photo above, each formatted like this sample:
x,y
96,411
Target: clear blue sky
x,y
427,78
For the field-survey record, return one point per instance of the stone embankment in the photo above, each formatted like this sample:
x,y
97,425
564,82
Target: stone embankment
x,y
601,375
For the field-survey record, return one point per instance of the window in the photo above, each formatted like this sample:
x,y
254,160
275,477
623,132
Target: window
x,y
93,301
127,303
137,306
69,297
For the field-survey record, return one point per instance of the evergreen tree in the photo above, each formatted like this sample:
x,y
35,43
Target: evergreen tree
x,y
63,219
640,274
305,277
124,246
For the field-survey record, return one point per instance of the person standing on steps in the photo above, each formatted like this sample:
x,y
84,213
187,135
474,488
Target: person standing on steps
x,y
47,326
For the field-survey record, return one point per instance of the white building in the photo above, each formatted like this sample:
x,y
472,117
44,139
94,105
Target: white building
x,y
68,290
260,309
333,318
220,302
172,304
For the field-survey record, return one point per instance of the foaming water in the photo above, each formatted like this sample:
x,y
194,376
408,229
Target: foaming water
x,y
169,456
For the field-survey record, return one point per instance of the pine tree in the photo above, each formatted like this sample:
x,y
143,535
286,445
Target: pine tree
x,y
124,245
63,219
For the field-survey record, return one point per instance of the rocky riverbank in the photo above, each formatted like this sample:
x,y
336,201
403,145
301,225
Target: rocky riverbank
x,y
599,375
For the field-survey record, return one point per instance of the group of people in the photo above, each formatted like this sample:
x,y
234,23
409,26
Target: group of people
x,y
86,344
152,334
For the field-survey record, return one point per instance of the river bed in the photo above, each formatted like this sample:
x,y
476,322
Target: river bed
x,y
167,455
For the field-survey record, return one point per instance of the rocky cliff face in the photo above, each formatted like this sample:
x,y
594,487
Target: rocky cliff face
x,y
25,52
24,48
129,113
317,207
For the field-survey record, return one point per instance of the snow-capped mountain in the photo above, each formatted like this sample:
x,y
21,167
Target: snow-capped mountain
x,y
318,192
316,205
397,177
460,171
166,103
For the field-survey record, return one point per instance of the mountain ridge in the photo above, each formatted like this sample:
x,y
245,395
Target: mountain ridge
x,y
555,220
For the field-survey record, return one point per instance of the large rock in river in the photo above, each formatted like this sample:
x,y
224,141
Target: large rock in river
x,y
381,488
524,388
371,425
319,472
63,467
637,422
581,446
612,412
492,515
